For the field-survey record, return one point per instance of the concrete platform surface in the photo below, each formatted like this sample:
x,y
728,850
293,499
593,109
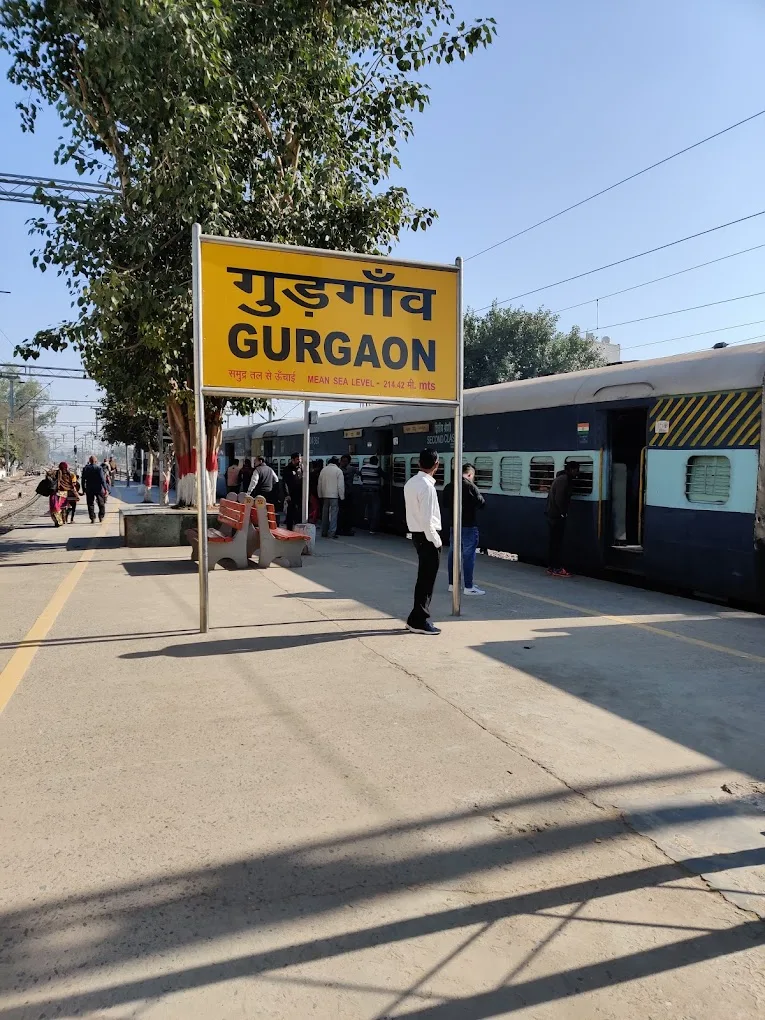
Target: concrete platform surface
x,y
554,810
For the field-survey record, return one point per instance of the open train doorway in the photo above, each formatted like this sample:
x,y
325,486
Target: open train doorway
x,y
627,435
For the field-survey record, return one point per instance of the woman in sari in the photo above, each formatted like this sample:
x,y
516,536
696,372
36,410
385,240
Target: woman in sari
x,y
64,485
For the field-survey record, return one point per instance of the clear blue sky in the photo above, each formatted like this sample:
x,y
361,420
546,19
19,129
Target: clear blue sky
x,y
570,98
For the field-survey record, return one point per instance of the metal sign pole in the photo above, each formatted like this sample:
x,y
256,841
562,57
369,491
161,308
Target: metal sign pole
x,y
199,414
456,550
306,456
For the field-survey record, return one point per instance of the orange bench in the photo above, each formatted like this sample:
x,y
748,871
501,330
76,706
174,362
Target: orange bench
x,y
235,517
273,542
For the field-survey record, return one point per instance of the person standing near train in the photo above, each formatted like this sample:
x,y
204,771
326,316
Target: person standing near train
x,y
472,502
558,500
423,519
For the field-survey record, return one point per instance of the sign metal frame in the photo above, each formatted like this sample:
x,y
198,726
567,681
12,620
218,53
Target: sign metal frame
x,y
201,391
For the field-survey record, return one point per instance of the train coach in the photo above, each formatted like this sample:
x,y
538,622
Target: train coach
x,y
671,486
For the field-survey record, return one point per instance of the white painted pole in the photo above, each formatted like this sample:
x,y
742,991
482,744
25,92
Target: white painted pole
x,y
456,550
199,415
306,456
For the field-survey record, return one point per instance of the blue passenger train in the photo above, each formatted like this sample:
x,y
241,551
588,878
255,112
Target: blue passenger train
x,y
672,481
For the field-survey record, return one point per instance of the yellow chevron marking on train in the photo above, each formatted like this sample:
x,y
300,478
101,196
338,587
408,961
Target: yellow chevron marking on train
x,y
743,421
693,422
752,438
746,409
738,399
684,409
709,429
625,621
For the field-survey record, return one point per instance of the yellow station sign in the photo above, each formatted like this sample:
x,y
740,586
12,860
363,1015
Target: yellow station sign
x,y
281,320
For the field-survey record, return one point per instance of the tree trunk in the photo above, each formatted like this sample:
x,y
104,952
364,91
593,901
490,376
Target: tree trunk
x,y
164,481
180,416
147,478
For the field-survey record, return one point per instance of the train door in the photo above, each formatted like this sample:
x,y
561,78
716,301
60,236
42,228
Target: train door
x,y
626,488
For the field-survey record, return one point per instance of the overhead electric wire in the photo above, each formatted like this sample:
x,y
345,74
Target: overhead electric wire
x,y
658,279
618,184
630,258
679,311
688,336
698,350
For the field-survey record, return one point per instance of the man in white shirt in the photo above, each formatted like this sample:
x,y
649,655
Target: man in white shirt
x,y
331,491
423,519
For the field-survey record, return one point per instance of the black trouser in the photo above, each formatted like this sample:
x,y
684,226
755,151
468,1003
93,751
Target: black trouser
x,y
91,498
557,527
428,558
345,516
294,510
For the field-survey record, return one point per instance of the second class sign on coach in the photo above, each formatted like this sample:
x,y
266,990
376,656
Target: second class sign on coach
x,y
280,319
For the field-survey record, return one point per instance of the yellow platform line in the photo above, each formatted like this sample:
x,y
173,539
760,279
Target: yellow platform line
x,y
623,620
21,660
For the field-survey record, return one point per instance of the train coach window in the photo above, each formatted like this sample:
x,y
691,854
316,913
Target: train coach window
x,y
399,470
510,474
439,475
707,480
541,473
484,472
583,482
414,467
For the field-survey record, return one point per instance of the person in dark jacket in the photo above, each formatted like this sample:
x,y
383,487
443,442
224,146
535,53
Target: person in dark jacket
x,y
95,487
346,512
558,500
245,475
472,502
293,483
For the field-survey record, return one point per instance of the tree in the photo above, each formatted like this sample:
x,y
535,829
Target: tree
x,y
278,120
510,343
26,443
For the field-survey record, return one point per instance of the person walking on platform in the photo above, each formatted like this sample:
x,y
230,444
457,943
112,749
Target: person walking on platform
x,y
331,491
63,482
107,474
232,476
423,519
293,483
558,500
472,501
94,486
72,499
371,482
345,519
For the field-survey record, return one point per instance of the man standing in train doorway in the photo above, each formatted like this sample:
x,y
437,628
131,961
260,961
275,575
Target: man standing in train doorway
x,y
423,519
558,501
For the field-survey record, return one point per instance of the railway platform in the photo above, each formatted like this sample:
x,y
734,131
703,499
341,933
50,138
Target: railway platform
x,y
554,810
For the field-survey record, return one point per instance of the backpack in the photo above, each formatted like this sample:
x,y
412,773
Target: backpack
x,y
45,487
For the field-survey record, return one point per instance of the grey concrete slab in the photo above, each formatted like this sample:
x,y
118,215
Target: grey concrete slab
x,y
311,812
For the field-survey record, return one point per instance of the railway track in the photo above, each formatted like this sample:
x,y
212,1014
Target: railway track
x,y
12,505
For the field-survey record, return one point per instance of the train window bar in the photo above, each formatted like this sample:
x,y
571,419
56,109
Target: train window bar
x,y
510,474
582,484
707,479
399,470
484,472
541,473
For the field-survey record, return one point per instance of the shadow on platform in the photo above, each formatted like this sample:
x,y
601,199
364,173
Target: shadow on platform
x,y
274,642
152,922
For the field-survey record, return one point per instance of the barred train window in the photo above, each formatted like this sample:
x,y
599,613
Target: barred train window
x,y
541,473
511,474
439,475
399,470
583,482
484,472
707,480
414,467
